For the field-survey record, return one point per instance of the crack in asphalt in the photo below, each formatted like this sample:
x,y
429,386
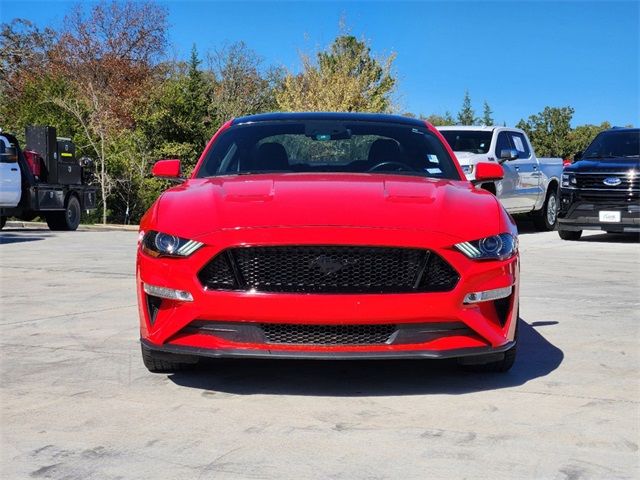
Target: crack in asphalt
x,y
67,315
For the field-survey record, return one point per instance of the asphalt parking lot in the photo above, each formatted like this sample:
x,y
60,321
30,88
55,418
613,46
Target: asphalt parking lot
x,y
77,403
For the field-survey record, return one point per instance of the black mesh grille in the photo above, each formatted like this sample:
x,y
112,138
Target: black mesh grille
x,y
218,273
595,181
329,269
328,334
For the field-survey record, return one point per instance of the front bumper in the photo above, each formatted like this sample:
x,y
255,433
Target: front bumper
x,y
170,330
580,210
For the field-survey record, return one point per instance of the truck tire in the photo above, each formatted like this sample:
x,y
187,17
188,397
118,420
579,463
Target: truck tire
x,y
67,220
3,220
546,219
570,234
165,363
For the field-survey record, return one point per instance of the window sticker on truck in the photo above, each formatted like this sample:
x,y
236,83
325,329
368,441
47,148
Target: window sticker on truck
x,y
517,141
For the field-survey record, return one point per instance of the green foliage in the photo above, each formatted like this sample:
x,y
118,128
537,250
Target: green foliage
x,y
440,120
581,136
466,115
487,115
550,131
345,78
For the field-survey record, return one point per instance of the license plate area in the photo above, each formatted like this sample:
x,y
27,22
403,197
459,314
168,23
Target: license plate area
x,y
607,216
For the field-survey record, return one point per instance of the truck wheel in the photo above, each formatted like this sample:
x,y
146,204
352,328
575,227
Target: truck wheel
x,y
3,220
165,363
67,220
546,218
570,234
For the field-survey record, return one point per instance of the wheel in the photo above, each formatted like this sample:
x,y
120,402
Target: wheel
x,y
570,234
546,218
499,366
3,221
165,362
67,220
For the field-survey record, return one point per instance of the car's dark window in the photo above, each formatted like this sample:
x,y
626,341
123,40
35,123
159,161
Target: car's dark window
x,y
328,146
502,143
624,143
474,141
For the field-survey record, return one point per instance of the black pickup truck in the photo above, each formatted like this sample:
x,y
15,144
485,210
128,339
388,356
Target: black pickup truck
x,y
601,189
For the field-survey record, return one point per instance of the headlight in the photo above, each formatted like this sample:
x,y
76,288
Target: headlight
x,y
158,244
569,180
467,169
495,247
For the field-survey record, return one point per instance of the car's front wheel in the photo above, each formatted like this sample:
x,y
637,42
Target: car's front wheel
x,y
498,366
570,234
160,362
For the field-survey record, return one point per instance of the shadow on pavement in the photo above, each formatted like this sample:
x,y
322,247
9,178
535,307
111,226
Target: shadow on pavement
x,y
612,238
14,237
537,357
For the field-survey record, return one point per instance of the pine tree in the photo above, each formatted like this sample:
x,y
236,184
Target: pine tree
x,y
487,113
466,115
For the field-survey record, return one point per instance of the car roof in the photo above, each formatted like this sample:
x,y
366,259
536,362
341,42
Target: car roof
x,y
622,129
329,116
468,127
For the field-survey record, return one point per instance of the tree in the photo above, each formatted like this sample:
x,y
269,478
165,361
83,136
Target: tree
x,y
346,78
174,117
242,86
550,131
439,120
107,57
487,118
466,115
23,54
581,136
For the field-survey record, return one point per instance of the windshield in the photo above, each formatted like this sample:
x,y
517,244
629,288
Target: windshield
x,y
328,146
611,143
474,141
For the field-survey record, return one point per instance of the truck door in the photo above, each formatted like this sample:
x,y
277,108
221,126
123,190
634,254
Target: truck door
x,y
526,165
506,188
10,180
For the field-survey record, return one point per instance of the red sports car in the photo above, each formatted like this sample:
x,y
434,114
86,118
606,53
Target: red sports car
x,y
327,236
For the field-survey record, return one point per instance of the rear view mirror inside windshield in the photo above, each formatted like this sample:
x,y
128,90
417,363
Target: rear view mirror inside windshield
x,y
324,132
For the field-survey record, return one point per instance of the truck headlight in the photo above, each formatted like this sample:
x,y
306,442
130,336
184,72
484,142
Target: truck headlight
x,y
158,244
569,180
467,169
495,247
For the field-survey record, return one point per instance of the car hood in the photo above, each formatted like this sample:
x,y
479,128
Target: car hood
x,y
201,206
466,158
616,164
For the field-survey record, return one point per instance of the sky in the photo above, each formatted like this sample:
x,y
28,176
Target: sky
x,y
518,56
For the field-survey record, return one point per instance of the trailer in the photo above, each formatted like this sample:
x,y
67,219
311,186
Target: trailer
x,y
45,179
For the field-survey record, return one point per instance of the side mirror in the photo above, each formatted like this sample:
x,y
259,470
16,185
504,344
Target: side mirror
x,y
167,169
577,156
508,154
488,172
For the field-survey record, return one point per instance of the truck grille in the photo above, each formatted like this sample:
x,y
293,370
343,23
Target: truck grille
x,y
595,181
328,269
327,334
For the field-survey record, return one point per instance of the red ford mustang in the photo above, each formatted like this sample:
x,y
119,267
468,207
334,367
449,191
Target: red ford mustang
x,y
327,236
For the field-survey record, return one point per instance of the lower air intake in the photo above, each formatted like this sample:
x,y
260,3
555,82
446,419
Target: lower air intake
x,y
327,334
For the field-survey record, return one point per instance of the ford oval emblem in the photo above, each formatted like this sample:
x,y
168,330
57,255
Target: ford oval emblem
x,y
612,181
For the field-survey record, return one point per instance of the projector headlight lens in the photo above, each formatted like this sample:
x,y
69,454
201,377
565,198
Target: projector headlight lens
x,y
159,244
495,247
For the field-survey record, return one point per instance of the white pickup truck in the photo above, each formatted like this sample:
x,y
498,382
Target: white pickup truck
x,y
530,184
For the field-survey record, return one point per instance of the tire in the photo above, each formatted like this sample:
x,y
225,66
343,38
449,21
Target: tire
x,y
164,362
500,366
546,219
67,220
3,221
570,234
